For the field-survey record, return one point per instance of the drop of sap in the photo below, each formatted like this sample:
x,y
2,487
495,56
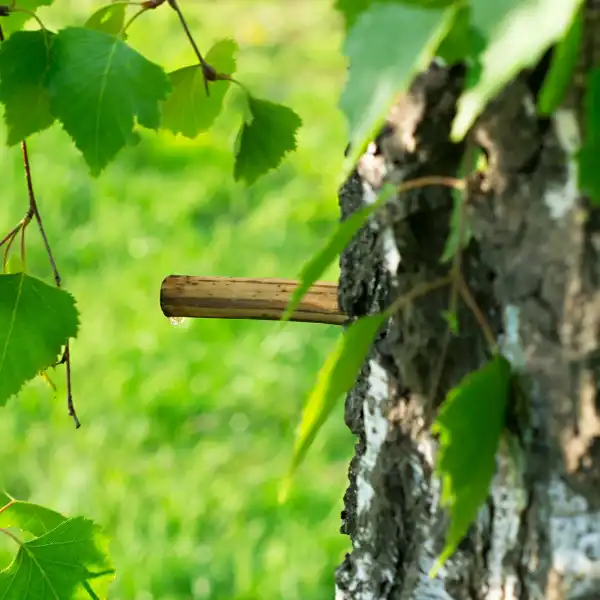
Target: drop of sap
x,y
176,321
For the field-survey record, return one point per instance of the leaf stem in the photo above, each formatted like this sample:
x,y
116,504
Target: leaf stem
x,y
122,3
208,72
473,306
23,255
452,182
417,291
455,272
127,3
12,233
70,404
10,238
8,504
33,207
435,382
11,535
457,259
30,13
7,250
139,13
223,77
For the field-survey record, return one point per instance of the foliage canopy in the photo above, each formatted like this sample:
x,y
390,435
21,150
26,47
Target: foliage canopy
x,y
103,91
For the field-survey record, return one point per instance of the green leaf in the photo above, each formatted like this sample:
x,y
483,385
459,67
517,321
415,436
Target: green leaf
x,y
452,319
17,19
264,140
383,63
24,63
188,110
351,9
32,518
469,423
516,34
456,46
36,321
589,171
109,19
342,236
563,63
462,43
335,378
99,86
70,561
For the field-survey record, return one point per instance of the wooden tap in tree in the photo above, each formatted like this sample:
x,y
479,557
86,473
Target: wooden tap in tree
x,y
247,298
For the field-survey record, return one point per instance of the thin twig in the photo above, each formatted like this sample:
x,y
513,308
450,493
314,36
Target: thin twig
x,y
419,182
30,13
208,72
23,256
123,3
12,233
10,238
70,405
417,291
479,316
33,207
457,258
455,275
435,382
456,266
7,250
36,213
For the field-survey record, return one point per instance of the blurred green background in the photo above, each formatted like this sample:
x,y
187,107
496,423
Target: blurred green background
x,y
187,431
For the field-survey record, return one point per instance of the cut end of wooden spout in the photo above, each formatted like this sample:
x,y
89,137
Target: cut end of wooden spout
x,y
245,298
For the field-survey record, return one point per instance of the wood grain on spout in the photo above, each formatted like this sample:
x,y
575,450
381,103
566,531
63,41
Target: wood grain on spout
x,y
245,298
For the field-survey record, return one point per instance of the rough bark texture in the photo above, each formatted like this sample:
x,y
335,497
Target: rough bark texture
x,y
533,266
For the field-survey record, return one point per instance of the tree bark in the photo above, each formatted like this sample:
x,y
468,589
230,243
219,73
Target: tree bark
x,y
533,267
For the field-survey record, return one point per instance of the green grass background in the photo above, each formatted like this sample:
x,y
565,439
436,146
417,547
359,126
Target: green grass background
x,y
187,431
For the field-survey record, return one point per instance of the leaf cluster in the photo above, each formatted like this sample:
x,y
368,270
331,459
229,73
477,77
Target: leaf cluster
x,y
101,90
57,557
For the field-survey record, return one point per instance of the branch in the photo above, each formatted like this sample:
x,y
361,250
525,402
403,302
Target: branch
x,y
207,71
241,298
33,208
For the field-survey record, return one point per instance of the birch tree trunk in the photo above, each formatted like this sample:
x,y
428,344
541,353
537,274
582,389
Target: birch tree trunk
x,y
533,267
